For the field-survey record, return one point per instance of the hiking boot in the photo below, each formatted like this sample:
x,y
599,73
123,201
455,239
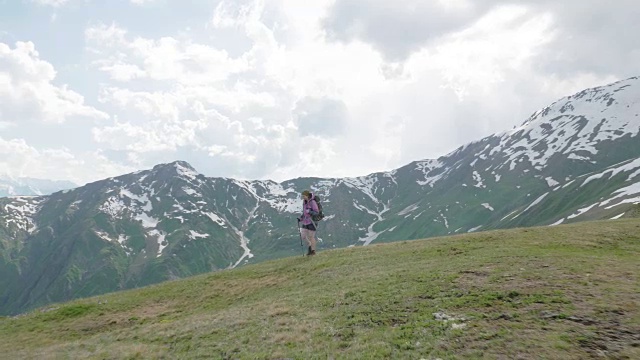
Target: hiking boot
x,y
312,252
309,251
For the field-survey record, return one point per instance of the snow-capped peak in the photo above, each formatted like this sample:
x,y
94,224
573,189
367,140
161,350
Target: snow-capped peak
x,y
184,169
597,100
574,125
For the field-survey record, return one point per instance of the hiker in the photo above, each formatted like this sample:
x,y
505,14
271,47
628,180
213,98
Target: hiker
x,y
308,231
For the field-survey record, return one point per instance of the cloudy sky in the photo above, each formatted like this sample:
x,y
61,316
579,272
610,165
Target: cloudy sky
x,y
279,89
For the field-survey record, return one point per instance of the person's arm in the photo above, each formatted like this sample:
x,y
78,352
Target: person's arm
x,y
314,208
303,214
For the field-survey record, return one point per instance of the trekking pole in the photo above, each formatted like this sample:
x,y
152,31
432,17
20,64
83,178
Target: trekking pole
x,y
300,233
315,224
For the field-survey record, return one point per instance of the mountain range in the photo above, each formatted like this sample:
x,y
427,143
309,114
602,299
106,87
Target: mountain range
x,y
10,186
577,159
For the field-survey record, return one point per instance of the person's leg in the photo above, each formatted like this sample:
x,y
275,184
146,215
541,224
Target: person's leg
x,y
312,240
307,236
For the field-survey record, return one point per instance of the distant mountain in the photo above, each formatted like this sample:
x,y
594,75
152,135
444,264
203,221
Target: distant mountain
x,y
27,186
577,159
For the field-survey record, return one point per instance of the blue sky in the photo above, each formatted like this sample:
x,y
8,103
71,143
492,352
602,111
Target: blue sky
x,y
279,89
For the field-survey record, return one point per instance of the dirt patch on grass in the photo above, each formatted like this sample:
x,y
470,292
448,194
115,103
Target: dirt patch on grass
x,y
601,335
610,336
611,340
473,278
113,320
237,288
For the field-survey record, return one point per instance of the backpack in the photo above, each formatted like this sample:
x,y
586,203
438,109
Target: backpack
x,y
320,215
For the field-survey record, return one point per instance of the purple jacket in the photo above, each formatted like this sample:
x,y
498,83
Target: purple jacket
x,y
308,208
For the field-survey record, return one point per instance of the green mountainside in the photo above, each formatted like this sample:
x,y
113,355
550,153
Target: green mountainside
x,y
563,292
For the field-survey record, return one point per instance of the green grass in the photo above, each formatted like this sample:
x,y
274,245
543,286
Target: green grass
x,y
564,292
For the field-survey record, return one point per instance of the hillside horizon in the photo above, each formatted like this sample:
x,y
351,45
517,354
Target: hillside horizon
x,y
568,291
577,159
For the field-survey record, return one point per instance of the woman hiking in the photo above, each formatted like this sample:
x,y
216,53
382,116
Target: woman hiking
x,y
308,230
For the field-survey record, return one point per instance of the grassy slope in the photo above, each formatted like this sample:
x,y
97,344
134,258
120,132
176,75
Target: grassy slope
x,y
564,292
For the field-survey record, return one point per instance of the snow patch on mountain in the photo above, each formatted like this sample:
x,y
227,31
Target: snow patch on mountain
x,y
478,179
126,200
633,165
391,175
325,186
287,205
276,189
426,167
557,222
216,219
581,211
74,206
474,229
160,239
576,157
551,182
121,240
244,243
184,170
487,206
191,192
194,235
142,200
364,184
103,235
371,235
146,220
282,199
626,195
408,209
20,211
534,203
445,221
113,206
247,186
279,198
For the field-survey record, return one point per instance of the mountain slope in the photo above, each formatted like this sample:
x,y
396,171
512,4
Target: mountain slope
x,y
499,294
576,160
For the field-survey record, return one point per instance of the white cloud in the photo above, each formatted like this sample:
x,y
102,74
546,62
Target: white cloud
x,y
235,14
161,105
207,98
279,89
164,59
19,159
583,30
27,91
57,3
481,56
400,29
54,3
344,98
